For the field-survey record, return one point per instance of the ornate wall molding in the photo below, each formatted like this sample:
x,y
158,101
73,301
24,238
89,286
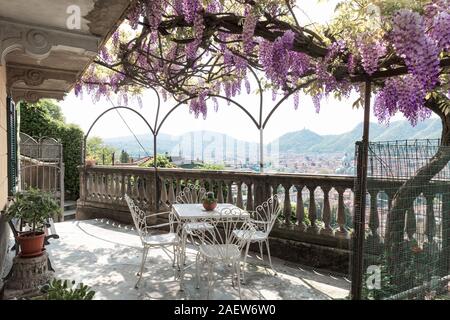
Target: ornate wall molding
x,y
35,76
38,41
33,96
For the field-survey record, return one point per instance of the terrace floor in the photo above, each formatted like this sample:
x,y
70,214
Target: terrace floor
x,y
107,257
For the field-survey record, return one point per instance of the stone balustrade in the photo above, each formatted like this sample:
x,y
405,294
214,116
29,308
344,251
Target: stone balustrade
x,y
317,210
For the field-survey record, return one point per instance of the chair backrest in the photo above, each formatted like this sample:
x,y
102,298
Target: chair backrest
x,y
222,234
267,213
192,193
139,217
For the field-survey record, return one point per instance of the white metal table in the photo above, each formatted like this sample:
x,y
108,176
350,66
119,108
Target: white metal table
x,y
195,213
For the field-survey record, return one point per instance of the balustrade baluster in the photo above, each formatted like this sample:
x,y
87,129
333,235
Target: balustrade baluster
x,y
275,189
89,185
287,210
312,210
98,186
249,206
210,185
300,209
171,192
94,186
239,202
122,187
230,192
326,215
178,190
220,192
117,192
106,188
141,189
163,193
342,231
128,190
134,187
101,182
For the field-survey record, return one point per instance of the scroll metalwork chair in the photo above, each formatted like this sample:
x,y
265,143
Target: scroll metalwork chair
x,y
150,237
263,219
192,194
222,246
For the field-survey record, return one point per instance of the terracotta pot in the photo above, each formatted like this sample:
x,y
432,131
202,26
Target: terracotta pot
x,y
209,206
31,243
90,163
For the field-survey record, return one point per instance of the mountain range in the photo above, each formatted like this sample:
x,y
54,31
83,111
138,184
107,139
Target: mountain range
x,y
298,142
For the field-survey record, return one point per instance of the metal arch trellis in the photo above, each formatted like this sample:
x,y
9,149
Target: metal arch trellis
x,y
260,124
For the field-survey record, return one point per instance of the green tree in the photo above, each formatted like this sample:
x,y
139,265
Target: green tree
x,y
52,109
96,149
124,157
210,166
162,161
45,118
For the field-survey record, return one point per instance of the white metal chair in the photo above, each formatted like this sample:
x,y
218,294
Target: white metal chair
x,y
221,246
152,239
263,219
192,194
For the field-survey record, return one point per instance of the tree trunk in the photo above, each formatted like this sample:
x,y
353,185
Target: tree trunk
x,y
412,188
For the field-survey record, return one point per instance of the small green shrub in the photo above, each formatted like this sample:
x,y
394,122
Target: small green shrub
x,y
161,162
60,290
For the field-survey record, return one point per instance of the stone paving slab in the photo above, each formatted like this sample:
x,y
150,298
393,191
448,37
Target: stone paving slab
x,y
107,257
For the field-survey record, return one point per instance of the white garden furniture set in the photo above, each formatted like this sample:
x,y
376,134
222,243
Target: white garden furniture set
x,y
219,236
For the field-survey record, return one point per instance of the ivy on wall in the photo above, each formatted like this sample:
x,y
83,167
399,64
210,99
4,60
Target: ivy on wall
x,y
44,118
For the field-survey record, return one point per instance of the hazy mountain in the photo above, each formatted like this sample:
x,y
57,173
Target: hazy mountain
x,y
298,142
306,141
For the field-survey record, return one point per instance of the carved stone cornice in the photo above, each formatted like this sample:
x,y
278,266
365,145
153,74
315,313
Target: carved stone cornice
x,y
105,14
35,76
38,41
32,96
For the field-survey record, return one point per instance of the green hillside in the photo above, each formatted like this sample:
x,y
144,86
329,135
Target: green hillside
x,y
306,141
298,142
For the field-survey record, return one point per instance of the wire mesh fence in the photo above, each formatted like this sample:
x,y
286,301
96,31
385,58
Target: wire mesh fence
x,y
407,221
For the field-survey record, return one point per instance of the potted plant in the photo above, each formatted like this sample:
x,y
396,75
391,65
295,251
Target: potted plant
x,y
33,207
90,162
209,201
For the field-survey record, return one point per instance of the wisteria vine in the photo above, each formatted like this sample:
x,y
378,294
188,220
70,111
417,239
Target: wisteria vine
x,y
197,49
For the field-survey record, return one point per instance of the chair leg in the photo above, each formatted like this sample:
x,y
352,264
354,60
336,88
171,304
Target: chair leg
x,y
144,258
268,254
261,250
210,278
245,262
238,271
174,256
197,269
